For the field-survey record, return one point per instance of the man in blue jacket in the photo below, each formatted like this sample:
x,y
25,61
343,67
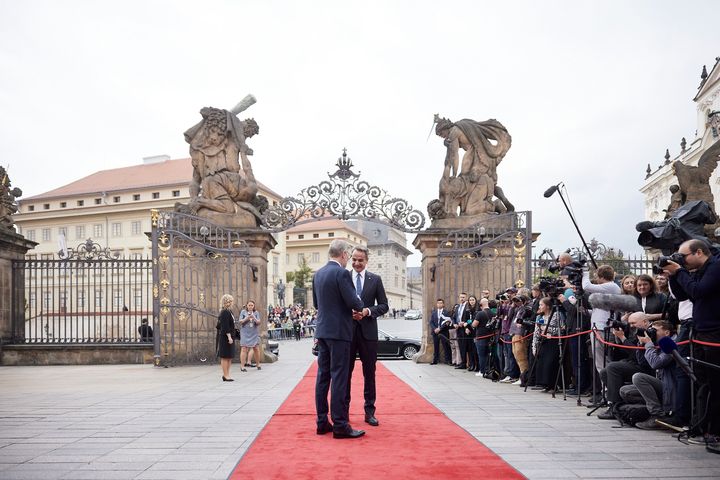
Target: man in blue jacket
x,y
698,280
335,299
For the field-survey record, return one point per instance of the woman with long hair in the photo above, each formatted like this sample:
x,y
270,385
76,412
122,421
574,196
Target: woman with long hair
x,y
627,285
469,335
226,331
546,349
649,301
249,335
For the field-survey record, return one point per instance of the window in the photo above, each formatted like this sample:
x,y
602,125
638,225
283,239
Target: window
x,y
62,231
287,237
33,298
98,201
46,300
300,237
80,232
403,283
316,257
116,199
301,258
396,268
46,235
176,193
137,298
287,259
379,266
98,299
397,280
97,230
156,195
46,206
136,227
63,300
46,256
379,252
31,257
81,299
31,208
63,204
331,234
80,203
396,255
116,230
30,235
136,197
136,255
276,266
316,235
117,299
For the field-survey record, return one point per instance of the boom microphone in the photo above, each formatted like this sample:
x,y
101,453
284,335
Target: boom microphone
x,y
669,347
550,191
609,301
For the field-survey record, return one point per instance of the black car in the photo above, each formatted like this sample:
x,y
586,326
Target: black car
x,y
273,347
390,346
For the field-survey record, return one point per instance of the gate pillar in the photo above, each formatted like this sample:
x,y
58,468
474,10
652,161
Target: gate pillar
x,y
428,242
12,290
259,244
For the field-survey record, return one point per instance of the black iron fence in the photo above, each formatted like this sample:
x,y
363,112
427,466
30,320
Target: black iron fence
x,y
628,265
81,299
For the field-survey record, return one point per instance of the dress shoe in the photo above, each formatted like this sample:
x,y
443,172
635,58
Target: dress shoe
x,y
460,367
349,434
433,363
228,379
324,428
370,419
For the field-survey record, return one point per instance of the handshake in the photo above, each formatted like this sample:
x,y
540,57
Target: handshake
x,y
359,314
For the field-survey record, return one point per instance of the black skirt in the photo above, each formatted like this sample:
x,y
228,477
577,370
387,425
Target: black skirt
x,y
548,362
225,349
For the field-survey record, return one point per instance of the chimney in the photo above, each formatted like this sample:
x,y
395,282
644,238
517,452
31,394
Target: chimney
x,y
155,159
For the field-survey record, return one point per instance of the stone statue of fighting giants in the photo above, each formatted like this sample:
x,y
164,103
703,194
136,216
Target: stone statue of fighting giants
x,y
223,188
469,188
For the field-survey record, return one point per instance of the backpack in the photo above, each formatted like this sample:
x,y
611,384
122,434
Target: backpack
x,y
630,413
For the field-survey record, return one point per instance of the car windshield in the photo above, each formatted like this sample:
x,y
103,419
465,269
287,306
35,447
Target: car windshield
x,y
383,333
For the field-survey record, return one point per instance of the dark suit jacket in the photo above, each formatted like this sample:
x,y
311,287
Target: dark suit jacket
x,y
374,299
653,304
334,298
434,320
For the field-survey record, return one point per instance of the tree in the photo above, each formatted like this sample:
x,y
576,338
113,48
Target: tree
x,y
301,276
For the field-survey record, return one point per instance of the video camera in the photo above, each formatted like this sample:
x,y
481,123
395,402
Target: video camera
x,y
551,286
650,331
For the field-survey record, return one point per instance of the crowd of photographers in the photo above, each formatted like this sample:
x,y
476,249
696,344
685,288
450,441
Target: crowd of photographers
x,y
600,339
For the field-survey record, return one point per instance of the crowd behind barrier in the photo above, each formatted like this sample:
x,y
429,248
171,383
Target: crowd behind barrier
x,y
549,339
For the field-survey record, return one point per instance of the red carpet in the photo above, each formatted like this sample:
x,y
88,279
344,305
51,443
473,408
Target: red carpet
x,y
414,440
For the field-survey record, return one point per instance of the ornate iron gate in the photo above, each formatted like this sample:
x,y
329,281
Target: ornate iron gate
x,y
195,263
491,255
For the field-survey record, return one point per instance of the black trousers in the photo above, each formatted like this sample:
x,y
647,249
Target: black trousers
x,y
615,375
439,338
332,375
368,357
711,378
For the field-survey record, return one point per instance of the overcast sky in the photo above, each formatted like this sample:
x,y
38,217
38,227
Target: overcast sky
x,y
591,92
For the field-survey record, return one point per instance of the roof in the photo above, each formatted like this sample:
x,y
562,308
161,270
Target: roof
x,y
323,224
167,173
708,82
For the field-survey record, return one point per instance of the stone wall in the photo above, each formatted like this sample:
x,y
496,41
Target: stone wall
x,y
14,355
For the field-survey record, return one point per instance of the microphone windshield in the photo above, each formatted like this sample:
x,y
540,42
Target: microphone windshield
x,y
610,301
549,192
667,345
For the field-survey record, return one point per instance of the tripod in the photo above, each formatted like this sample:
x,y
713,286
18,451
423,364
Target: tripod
x,y
603,398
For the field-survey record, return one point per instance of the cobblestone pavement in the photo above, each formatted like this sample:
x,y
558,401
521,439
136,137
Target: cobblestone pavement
x,y
142,422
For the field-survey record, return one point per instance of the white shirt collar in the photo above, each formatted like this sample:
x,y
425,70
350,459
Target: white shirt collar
x,y
362,274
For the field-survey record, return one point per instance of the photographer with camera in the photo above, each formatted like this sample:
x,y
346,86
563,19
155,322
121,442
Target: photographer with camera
x,y
510,366
619,372
598,319
656,392
482,331
695,276
578,319
518,329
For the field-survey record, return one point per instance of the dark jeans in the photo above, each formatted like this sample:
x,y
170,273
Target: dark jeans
x,y
615,375
683,384
711,378
510,366
481,346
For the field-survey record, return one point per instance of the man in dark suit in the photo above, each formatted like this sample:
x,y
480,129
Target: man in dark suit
x,y
369,288
439,326
335,299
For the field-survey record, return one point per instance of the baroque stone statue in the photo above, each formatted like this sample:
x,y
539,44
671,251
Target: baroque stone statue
x,y
469,188
694,182
8,203
223,188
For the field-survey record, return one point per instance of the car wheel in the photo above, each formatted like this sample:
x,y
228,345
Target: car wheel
x,y
409,351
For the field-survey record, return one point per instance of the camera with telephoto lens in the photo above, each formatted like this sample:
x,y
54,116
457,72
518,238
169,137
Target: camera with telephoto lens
x,y
615,323
551,286
493,324
650,332
502,296
663,261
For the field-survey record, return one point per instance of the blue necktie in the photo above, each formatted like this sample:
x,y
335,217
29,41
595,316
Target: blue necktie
x,y
358,285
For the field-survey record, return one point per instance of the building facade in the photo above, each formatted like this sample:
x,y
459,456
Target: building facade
x,y
656,188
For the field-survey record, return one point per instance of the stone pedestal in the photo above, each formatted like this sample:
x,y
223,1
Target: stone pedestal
x,y
260,243
12,247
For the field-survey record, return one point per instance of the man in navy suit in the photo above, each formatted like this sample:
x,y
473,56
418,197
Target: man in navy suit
x,y
335,299
369,288
439,326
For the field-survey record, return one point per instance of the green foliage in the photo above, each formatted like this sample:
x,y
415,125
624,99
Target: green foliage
x,y
302,275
